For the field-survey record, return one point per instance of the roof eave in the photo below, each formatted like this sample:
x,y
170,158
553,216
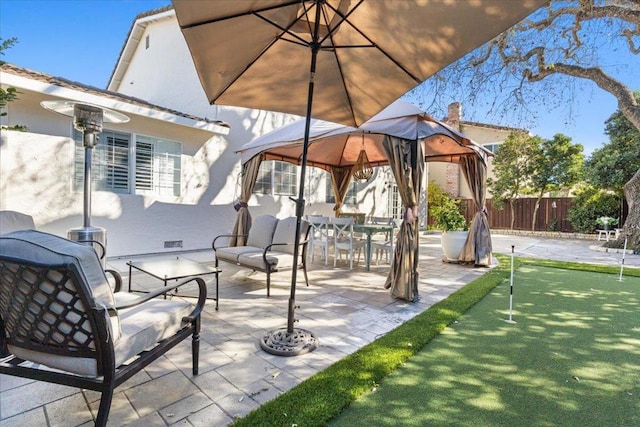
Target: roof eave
x,y
51,89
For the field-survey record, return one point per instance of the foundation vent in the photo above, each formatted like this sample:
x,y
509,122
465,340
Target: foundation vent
x,y
173,244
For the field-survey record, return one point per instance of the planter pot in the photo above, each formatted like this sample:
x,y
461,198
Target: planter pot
x,y
452,244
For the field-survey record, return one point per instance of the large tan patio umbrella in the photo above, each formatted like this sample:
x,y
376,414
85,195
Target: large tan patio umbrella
x,y
336,60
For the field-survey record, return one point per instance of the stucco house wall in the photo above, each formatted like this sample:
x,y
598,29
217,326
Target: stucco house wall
x,y
155,64
37,169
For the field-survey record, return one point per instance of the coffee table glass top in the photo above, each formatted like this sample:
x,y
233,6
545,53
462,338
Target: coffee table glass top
x,y
169,269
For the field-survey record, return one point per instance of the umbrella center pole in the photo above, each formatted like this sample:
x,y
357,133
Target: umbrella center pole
x,y
295,341
292,298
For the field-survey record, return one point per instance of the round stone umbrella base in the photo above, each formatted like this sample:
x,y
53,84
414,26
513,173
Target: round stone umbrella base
x,y
283,343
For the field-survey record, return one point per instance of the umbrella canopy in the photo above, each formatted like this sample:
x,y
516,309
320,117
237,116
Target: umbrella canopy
x,y
333,145
354,56
256,54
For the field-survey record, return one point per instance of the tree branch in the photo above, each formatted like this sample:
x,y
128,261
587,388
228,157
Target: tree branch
x,y
627,103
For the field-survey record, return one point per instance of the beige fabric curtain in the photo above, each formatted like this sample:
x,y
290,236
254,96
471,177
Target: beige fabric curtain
x,y
243,219
477,248
340,179
403,276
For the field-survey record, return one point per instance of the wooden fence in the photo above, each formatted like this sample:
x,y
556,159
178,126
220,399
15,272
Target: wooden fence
x,y
550,208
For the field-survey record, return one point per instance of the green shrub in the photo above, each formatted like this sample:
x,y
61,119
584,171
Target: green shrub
x,y
444,210
590,204
448,216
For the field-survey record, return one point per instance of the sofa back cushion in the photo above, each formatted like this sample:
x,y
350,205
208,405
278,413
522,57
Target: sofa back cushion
x,y
261,232
286,233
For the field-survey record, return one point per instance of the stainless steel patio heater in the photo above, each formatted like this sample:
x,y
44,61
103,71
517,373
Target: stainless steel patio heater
x,y
87,119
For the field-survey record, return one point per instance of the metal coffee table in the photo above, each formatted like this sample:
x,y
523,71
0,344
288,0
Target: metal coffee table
x,y
173,269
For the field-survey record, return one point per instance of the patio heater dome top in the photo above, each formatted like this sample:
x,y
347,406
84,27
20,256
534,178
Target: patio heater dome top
x,y
86,117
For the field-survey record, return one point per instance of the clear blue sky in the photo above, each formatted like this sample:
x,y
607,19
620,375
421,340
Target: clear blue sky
x,y
80,40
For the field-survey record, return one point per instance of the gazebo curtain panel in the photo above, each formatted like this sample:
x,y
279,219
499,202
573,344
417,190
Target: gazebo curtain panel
x,y
477,248
407,165
340,178
249,175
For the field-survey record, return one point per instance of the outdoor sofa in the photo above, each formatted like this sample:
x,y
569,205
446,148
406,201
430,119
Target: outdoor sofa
x,y
269,247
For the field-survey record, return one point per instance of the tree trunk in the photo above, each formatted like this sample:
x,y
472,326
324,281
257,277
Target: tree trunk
x,y
631,228
513,213
535,210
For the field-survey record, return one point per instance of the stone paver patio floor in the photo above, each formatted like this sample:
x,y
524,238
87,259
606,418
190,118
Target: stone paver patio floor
x,y
344,309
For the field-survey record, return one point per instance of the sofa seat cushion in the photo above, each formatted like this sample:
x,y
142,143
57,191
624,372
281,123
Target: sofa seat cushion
x,y
231,254
144,325
274,258
77,365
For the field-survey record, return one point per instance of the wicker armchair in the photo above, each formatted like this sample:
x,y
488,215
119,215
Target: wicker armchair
x,y
58,311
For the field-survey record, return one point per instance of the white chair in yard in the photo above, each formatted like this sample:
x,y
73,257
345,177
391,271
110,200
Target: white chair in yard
x,y
344,239
319,236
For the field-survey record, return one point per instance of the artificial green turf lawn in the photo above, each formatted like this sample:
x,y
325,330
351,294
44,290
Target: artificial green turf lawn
x,y
572,359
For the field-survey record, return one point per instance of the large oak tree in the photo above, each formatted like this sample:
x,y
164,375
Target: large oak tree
x,y
540,59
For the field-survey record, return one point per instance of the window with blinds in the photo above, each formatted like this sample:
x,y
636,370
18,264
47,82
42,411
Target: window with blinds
x,y
277,178
263,180
158,166
109,164
150,166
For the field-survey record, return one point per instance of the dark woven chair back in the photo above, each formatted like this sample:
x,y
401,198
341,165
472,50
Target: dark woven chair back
x,y
44,309
58,310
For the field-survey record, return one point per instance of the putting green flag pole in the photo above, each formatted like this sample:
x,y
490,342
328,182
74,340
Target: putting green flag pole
x,y
624,251
511,290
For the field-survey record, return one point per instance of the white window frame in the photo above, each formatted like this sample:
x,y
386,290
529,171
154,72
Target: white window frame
x,y
394,203
492,146
116,167
165,176
277,178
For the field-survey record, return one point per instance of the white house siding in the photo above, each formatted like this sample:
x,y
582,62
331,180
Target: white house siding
x,y
164,74
36,172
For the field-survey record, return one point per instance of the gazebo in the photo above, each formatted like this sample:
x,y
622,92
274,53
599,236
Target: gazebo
x,y
401,136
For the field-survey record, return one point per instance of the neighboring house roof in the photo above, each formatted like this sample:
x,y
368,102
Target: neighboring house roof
x,y
26,78
140,23
497,127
